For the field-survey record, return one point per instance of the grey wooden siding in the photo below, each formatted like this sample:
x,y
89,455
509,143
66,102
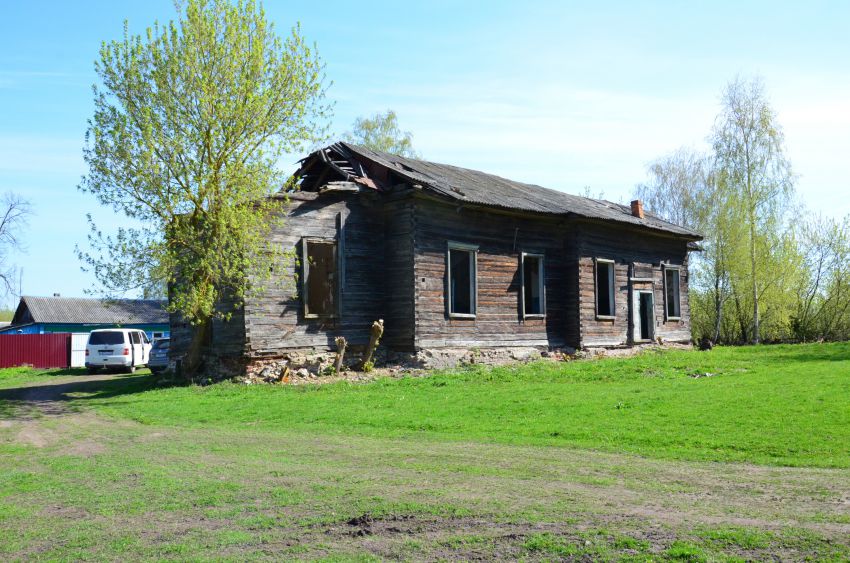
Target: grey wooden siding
x,y
181,335
274,320
228,336
572,312
645,253
398,277
500,238
393,258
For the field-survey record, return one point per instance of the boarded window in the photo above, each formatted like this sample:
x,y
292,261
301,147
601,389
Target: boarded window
x,y
532,285
461,281
642,271
320,278
605,288
672,293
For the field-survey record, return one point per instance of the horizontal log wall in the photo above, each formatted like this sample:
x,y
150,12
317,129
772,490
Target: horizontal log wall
x,y
275,319
181,336
646,252
500,238
228,336
227,339
397,269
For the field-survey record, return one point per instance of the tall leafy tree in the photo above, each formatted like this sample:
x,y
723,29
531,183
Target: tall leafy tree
x,y
751,164
761,276
682,188
823,292
381,132
678,185
190,122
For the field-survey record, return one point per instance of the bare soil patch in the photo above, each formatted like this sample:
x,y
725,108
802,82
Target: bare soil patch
x,y
34,405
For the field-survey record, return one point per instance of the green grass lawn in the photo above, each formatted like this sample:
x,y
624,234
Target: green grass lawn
x,y
13,377
532,462
778,405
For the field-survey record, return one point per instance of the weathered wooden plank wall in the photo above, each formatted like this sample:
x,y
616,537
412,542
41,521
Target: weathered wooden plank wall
x,y
398,276
501,239
228,336
394,262
275,320
647,252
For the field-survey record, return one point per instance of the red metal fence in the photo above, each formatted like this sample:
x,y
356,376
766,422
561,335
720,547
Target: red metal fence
x,y
37,350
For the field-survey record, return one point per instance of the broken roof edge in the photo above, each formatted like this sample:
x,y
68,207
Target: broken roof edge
x,y
426,173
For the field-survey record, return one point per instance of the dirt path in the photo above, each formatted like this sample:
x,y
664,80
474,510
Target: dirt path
x,y
35,409
50,397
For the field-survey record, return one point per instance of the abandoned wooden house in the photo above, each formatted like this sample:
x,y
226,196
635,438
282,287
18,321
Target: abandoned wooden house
x,y
456,258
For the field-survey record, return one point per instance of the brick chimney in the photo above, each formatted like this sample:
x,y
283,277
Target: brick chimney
x,y
637,209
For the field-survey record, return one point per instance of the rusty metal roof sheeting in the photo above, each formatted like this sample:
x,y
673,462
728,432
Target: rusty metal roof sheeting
x,y
475,187
78,310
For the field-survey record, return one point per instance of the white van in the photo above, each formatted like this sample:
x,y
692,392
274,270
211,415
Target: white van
x,y
117,348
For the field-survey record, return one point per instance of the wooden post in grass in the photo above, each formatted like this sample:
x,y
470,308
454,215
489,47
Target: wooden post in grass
x,y
341,344
375,339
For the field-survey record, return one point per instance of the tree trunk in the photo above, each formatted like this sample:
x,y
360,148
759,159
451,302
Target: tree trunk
x,y
739,313
341,345
718,309
193,362
756,334
375,339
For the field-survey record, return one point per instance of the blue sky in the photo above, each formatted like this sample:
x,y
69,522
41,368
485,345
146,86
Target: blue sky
x,y
562,94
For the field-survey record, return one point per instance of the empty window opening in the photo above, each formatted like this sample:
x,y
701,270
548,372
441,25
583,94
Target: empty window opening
x,y
672,293
532,285
605,288
320,278
461,281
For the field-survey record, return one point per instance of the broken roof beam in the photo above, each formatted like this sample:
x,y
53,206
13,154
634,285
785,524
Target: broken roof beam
x,y
341,187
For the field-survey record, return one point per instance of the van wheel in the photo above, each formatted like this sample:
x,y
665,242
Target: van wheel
x,y
92,371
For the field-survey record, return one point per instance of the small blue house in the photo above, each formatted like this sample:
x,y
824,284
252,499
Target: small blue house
x,y
41,315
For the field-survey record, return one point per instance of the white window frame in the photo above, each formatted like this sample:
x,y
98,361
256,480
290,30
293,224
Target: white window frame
x,y
541,280
473,286
305,272
612,278
665,268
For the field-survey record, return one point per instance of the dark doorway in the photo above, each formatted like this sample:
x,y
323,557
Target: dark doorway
x,y
646,317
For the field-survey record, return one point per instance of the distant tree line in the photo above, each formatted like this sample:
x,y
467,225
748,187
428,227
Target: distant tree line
x,y
769,270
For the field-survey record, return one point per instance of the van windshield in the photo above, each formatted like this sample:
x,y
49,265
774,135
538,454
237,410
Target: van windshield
x,y
106,338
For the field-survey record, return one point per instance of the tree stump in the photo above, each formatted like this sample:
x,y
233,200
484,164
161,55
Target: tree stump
x,y
341,345
376,332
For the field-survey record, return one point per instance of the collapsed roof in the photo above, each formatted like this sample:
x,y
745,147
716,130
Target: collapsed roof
x,y
381,171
